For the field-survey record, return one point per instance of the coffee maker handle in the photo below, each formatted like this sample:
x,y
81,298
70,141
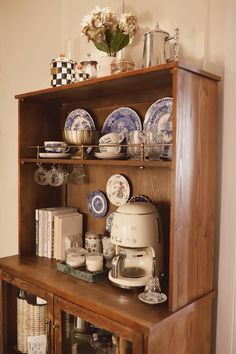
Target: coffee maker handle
x,y
116,264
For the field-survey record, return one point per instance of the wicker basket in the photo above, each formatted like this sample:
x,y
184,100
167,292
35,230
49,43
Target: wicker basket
x,y
31,321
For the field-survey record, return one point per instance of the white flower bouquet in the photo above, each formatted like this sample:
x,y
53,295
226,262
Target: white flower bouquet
x,y
108,33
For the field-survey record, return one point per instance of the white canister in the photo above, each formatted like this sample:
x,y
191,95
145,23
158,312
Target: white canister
x,y
93,242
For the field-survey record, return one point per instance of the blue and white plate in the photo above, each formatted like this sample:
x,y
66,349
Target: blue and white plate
x,y
79,119
122,120
159,119
97,204
109,221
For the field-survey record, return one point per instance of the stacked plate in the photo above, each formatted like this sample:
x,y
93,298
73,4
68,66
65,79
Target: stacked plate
x,y
110,155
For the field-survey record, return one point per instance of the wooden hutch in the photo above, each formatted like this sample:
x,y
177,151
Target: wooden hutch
x,y
182,189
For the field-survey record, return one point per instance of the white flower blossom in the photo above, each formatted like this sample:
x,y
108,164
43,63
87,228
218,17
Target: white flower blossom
x,y
128,24
101,25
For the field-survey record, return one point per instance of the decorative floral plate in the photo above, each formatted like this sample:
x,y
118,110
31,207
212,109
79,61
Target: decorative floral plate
x,y
122,120
152,298
109,221
159,119
79,119
97,204
118,189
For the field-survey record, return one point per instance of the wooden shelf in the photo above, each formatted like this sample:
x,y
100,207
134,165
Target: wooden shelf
x,y
122,83
134,163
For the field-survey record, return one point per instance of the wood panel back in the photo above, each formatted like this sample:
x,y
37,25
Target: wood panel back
x,y
37,123
153,183
193,189
31,197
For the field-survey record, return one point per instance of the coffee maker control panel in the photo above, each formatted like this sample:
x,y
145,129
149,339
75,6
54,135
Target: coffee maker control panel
x,y
124,240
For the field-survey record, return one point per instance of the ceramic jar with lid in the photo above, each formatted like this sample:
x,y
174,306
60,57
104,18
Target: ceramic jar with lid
x,y
75,256
93,241
62,71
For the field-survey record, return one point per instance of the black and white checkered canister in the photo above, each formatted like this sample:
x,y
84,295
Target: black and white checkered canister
x,y
62,71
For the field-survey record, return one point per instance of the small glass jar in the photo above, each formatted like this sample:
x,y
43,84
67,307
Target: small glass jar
x,y
90,68
75,256
119,66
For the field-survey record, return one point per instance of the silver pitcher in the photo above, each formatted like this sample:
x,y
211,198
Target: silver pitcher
x,y
156,48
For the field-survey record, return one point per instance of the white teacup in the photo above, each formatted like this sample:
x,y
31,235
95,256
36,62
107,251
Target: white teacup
x,y
55,146
111,138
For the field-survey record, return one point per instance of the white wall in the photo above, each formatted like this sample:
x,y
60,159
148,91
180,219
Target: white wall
x,y
33,32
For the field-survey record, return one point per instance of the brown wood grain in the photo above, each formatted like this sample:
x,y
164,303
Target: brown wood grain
x,y
193,198
3,316
119,305
156,75
126,333
187,331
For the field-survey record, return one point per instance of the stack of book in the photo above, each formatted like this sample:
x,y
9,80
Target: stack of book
x,y
56,230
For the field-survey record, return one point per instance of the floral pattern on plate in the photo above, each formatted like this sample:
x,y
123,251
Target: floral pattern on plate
x,y
97,204
118,189
122,120
159,119
79,119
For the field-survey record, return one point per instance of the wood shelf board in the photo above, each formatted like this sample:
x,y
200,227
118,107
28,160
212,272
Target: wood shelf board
x,y
120,83
134,163
103,298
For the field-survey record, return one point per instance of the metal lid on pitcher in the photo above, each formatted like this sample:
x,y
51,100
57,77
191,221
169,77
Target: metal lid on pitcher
x,y
157,29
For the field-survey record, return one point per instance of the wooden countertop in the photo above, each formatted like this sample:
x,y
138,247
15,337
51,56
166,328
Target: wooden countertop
x,y
102,297
120,305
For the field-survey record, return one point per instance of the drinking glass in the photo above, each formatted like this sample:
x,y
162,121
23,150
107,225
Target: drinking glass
x,y
156,151
40,175
78,175
55,176
137,138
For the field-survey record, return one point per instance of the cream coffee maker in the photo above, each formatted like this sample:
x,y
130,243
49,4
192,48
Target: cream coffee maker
x,y
136,233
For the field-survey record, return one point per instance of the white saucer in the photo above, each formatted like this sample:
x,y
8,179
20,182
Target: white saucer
x,y
152,298
54,155
109,155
